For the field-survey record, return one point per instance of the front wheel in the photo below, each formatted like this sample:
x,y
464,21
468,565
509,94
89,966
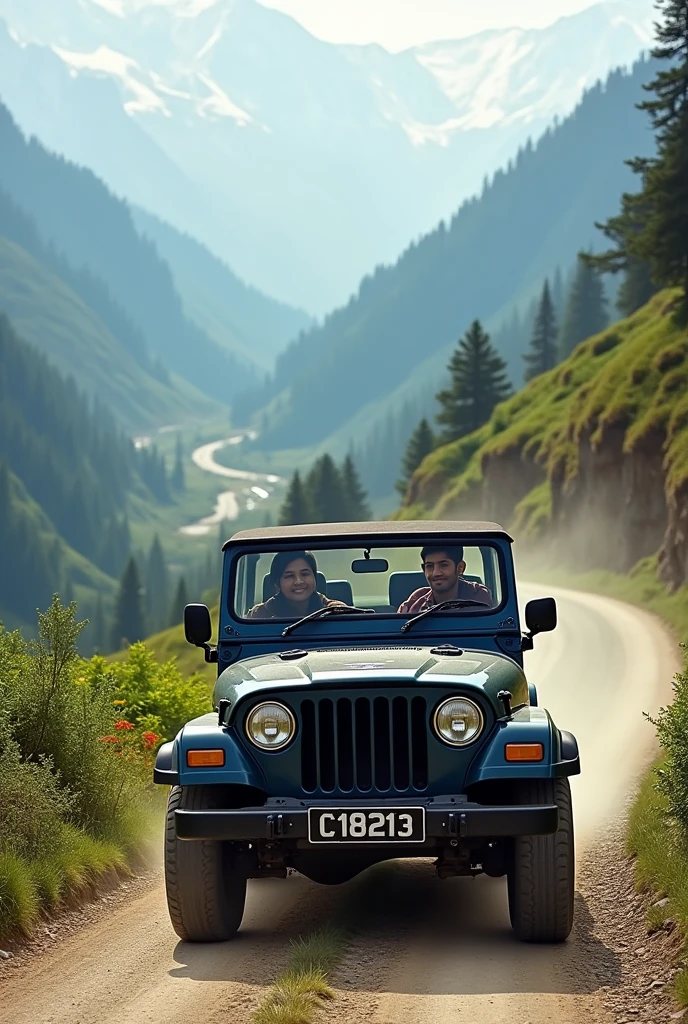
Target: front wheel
x,y
205,892
541,874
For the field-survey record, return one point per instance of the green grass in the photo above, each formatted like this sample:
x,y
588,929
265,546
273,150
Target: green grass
x,y
301,988
75,865
171,643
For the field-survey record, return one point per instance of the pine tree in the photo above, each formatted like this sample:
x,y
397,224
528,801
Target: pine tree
x,y
421,443
652,227
325,490
586,308
543,353
179,602
558,294
479,381
178,480
157,586
356,506
129,624
295,508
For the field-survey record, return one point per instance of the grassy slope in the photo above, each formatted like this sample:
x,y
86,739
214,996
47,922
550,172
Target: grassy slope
x,y
171,643
48,314
633,375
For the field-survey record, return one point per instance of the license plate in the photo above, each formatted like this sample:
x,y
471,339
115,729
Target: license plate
x,y
366,825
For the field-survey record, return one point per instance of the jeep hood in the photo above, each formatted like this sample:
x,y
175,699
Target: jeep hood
x,y
405,666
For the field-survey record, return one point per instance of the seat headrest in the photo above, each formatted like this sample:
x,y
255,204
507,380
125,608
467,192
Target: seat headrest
x,y
402,585
340,590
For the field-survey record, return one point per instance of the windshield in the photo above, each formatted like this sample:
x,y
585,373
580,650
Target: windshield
x,y
290,584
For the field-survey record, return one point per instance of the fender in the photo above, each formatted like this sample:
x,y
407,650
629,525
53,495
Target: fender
x,y
529,725
204,733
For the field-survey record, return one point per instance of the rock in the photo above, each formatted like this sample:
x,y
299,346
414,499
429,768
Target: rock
x,y
677,1016
639,951
5,955
661,903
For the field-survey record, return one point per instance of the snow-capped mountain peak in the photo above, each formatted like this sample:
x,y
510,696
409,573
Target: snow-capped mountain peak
x,y
289,138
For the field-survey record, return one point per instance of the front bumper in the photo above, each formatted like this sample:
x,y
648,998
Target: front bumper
x,y
445,818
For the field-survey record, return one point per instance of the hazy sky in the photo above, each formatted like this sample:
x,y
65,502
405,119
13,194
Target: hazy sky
x,y
397,24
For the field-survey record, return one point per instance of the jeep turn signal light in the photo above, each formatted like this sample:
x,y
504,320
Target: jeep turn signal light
x,y
205,758
524,752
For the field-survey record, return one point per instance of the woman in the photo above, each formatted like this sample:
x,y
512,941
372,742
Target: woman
x,y
292,574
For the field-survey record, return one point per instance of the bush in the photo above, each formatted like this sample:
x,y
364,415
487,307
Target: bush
x,y
77,743
32,805
59,714
672,774
154,697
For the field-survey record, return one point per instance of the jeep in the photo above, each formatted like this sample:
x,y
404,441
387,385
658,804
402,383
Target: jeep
x,y
359,717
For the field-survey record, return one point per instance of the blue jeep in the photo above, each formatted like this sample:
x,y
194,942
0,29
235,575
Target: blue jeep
x,y
356,733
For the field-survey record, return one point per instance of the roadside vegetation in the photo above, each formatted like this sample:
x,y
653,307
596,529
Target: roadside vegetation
x,y
658,827
303,985
77,744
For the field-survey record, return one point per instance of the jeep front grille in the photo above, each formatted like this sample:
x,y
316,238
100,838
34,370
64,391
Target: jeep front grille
x,y
364,745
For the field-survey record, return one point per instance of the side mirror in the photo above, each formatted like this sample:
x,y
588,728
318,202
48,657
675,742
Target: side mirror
x,y
541,615
197,625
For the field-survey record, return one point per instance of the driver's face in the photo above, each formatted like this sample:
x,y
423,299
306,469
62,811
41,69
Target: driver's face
x,y
297,582
442,574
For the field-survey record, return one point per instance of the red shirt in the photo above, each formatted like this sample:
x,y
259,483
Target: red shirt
x,y
422,599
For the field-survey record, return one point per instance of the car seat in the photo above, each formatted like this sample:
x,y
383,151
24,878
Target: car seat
x,y
340,590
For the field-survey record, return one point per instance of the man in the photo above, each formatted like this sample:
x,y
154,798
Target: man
x,y
444,568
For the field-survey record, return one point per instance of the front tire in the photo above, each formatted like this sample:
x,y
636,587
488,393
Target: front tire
x,y
541,876
205,892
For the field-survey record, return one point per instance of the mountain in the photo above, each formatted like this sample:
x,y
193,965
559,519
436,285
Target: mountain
x,y
495,252
240,319
600,439
301,163
54,319
75,214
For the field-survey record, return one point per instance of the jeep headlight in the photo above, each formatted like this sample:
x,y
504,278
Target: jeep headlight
x,y
458,721
271,726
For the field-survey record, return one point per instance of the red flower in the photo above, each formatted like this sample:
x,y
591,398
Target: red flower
x,y
123,724
109,739
150,739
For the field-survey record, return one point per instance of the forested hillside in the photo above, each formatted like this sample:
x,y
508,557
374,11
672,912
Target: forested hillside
x,y
498,248
605,430
70,316
65,474
74,213
238,317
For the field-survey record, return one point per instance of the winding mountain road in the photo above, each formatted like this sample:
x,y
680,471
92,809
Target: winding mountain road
x,y
446,954
227,504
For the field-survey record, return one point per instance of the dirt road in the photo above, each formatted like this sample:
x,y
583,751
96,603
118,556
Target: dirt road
x,y
440,952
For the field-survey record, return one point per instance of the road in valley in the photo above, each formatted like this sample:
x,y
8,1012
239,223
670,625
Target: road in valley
x,y
227,505
446,955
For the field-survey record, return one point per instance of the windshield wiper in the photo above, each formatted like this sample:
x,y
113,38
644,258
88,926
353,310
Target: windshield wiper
x,y
319,613
440,607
